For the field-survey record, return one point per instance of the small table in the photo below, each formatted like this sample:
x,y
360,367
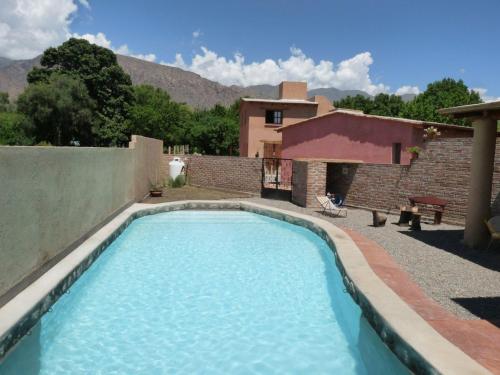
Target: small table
x,y
438,203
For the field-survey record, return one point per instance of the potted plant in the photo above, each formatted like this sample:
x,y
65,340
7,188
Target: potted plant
x,y
414,151
156,189
431,132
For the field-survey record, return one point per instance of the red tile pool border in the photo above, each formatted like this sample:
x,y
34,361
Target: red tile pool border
x,y
478,338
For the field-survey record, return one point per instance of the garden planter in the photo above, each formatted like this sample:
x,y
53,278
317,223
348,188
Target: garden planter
x,y
155,193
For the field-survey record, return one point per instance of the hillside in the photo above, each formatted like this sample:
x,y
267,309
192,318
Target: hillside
x,y
183,86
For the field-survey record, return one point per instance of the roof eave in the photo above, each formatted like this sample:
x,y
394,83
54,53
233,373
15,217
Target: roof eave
x,y
471,111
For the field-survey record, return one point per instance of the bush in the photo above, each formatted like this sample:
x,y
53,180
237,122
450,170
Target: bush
x,y
179,181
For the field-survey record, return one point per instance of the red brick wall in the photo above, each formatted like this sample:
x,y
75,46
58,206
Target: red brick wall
x,y
442,169
223,172
299,183
309,180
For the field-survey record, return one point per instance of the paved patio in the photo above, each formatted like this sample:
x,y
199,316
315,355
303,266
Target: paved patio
x,y
465,282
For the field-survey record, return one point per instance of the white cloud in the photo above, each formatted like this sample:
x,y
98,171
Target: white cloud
x,y
84,3
408,90
353,73
197,34
28,27
483,93
101,40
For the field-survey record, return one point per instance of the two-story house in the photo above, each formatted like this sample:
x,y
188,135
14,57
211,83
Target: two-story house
x,y
260,118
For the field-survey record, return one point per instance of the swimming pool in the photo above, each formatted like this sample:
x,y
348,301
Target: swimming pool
x,y
207,292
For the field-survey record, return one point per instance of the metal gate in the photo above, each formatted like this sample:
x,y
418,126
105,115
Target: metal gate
x,y
277,178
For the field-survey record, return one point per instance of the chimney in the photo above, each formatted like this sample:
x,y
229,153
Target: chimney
x,y
293,90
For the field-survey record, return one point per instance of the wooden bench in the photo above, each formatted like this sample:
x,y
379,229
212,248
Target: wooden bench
x,y
432,204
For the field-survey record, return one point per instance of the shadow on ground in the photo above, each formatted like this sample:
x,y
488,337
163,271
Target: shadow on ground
x,y
487,308
452,242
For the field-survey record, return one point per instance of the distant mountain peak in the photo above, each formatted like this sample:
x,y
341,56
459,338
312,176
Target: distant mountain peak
x,y
182,86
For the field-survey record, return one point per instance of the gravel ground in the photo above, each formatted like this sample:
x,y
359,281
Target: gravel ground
x,y
465,282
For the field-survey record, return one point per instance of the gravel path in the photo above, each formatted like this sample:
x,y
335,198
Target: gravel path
x,y
465,282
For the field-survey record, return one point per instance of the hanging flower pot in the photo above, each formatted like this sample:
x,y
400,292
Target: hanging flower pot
x,y
414,152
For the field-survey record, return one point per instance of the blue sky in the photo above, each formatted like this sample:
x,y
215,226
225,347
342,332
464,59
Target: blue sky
x,y
378,46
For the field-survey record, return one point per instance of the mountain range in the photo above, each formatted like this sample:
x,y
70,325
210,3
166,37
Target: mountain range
x,y
183,86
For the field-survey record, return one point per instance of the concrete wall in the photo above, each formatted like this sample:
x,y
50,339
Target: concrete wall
x,y
147,164
52,196
292,90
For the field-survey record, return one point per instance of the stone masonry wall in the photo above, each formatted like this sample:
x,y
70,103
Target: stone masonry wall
x,y
316,181
309,180
442,170
223,172
299,182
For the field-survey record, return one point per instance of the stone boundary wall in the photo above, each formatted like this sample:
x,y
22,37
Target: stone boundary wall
x,y
51,197
222,172
442,170
299,183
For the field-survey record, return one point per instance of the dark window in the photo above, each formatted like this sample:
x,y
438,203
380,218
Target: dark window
x,y
396,153
274,117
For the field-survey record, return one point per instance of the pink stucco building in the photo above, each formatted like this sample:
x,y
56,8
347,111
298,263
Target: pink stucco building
x,y
259,118
349,134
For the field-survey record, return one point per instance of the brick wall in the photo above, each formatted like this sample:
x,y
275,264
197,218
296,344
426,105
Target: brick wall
x,y
223,172
309,180
442,170
299,183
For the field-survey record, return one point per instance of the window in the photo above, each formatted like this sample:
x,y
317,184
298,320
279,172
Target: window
x,y
274,117
396,153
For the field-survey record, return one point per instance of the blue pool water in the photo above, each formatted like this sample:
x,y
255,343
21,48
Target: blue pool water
x,y
191,292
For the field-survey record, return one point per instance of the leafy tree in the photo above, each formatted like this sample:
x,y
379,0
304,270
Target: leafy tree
x,y
107,84
440,94
358,102
61,110
381,104
15,129
153,114
4,102
387,105
215,131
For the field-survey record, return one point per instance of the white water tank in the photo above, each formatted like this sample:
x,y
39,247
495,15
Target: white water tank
x,y
176,167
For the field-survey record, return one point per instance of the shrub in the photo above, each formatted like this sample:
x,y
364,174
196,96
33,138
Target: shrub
x,y
414,150
179,181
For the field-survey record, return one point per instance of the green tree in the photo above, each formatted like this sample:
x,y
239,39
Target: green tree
x,y
381,104
60,109
215,131
387,105
358,102
4,102
15,129
153,114
107,84
440,94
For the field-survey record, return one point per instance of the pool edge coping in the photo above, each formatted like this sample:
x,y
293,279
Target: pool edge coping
x,y
414,341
